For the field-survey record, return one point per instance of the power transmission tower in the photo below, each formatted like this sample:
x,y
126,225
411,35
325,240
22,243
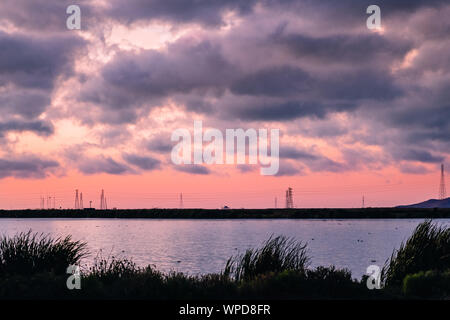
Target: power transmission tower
x,y
103,205
181,201
363,202
77,200
81,201
442,190
289,199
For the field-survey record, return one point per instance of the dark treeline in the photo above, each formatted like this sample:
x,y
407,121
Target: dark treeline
x,y
359,213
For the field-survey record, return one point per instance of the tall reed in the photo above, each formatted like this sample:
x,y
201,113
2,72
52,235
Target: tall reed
x,y
276,255
30,253
428,248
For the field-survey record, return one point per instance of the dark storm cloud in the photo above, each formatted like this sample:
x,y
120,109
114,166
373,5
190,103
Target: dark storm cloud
x,y
35,62
193,169
351,13
210,13
360,84
363,83
133,80
198,74
26,167
206,12
43,14
345,48
28,104
313,160
288,169
297,154
276,81
280,109
29,68
326,63
160,144
391,5
418,155
38,127
429,115
103,165
422,117
142,162
184,68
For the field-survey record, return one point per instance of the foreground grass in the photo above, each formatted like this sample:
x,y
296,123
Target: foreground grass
x,y
28,253
427,249
33,266
276,255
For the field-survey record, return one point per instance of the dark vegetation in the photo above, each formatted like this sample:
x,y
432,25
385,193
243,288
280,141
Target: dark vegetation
x,y
33,266
359,213
427,249
276,255
28,253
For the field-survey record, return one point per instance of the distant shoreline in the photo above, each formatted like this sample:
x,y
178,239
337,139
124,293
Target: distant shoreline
x,y
359,213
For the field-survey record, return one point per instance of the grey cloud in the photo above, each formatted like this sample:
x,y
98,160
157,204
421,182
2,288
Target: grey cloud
x,y
277,81
103,165
363,83
329,165
413,169
43,14
39,127
244,168
160,145
205,12
26,167
131,82
142,162
27,104
344,48
417,155
35,62
297,154
279,109
352,13
288,169
317,162
29,68
309,72
193,169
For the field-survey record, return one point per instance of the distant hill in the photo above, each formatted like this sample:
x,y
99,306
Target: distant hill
x,y
432,203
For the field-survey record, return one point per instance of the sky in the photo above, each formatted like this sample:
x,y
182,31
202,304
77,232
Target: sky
x,y
361,112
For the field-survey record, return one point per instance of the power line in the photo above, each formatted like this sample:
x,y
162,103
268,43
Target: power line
x,y
442,190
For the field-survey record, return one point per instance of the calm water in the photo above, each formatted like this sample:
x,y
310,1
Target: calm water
x,y
203,246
